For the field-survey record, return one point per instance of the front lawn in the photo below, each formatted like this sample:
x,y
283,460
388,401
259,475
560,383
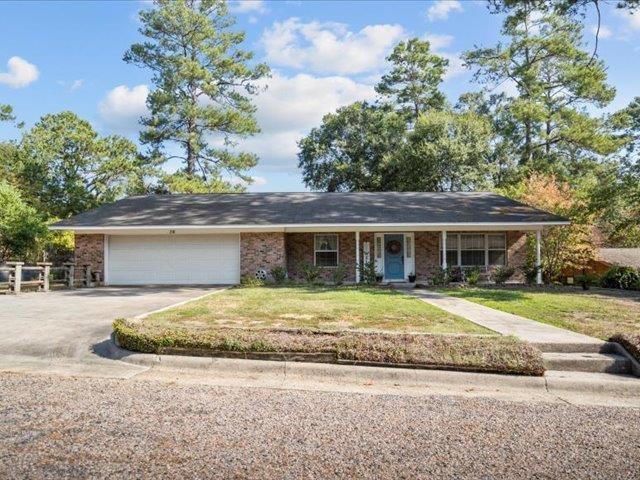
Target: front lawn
x,y
600,313
319,308
345,324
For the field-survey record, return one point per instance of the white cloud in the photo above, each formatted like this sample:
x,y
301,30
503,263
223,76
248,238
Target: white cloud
x,y
122,107
290,107
329,47
300,101
77,85
245,6
605,32
440,42
632,19
441,9
259,181
20,73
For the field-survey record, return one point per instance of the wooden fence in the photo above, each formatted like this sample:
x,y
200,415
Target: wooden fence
x,y
14,276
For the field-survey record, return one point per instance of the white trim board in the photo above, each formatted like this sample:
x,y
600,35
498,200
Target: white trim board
x,y
316,227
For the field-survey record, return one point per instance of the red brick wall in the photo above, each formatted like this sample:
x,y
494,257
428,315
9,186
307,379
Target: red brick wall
x,y
89,250
427,254
300,250
517,253
261,251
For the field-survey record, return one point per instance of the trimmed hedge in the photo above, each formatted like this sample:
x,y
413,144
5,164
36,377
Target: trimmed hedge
x,y
493,354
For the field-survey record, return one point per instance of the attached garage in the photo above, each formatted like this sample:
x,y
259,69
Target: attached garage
x,y
172,259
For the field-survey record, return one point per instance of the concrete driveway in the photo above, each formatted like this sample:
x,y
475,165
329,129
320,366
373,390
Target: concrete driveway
x,y
73,323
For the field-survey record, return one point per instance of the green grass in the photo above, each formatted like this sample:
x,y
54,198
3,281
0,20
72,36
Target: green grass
x,y
319,308
598,312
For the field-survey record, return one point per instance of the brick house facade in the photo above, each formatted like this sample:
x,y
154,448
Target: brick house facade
x,y
89,250
266,250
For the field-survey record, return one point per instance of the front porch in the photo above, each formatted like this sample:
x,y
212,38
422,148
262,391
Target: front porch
x,y
404,256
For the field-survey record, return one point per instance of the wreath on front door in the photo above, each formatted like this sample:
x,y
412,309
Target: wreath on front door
x,y
394,247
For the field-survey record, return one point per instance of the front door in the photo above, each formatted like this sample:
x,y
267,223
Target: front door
x,y
394,257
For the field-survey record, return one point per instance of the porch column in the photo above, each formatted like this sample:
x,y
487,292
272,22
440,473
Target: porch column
x,y
538,261
358,266
444,249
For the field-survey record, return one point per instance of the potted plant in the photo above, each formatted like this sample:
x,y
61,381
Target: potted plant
x,y
379,277
412,277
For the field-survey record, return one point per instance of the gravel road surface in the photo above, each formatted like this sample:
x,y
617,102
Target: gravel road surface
x,y
54,427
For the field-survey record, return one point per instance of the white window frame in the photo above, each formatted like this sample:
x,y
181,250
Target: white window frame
x,y
337,250
458,260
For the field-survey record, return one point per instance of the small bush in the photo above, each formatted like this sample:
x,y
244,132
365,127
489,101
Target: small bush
x,y
473,275
587,280
249,281
279,274
339,274
501,274
442,277
368,272
310,273
530,272
625,278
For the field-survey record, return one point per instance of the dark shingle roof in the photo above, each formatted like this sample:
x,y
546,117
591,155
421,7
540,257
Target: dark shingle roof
x,y
309,208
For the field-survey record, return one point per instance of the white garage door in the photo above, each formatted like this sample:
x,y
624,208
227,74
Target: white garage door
x,y
173,259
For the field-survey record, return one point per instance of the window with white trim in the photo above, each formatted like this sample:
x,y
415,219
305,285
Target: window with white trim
x,y
472,249
475,249
378,247
497,248
326,250
452,250
407,243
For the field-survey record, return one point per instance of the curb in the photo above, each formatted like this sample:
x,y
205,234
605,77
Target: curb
x,y
554,382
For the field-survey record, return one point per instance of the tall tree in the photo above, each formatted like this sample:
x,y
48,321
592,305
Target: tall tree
x,y
555,81
445,151
203,82
64,167
351,149
413,83
20,225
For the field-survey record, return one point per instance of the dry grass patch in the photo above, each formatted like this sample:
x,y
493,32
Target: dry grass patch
x,y
318,308
466,352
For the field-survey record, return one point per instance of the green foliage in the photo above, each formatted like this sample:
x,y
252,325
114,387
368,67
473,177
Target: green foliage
x,y
279,274
64,167
339,274
442,277
20,225
625,278
368,272
183,183
529,269
501,274
310,273
413,83
586,280
351,148
555,78
202,83
251,281
473,275
446,151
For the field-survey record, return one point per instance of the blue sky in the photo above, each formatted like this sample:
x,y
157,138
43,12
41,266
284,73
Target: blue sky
x,y
58,56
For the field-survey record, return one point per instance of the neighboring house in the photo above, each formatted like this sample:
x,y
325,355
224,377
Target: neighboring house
x,y
607,258
218,238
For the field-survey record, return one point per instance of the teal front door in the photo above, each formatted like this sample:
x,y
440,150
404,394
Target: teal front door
x,y
394,257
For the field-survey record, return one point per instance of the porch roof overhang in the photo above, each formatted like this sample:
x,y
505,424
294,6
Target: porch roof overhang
x,y
292,228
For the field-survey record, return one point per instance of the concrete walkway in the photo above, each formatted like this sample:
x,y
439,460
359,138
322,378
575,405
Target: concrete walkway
x,y
502,322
